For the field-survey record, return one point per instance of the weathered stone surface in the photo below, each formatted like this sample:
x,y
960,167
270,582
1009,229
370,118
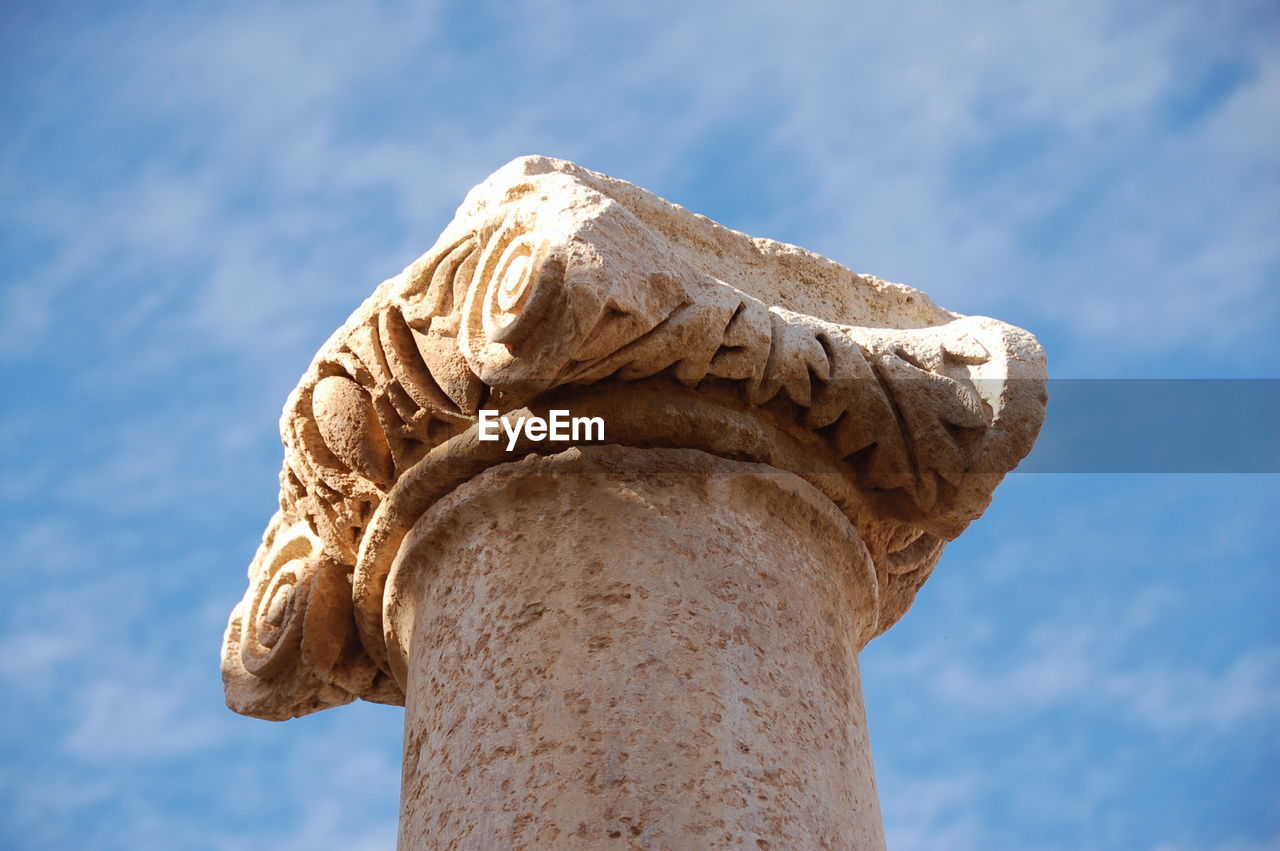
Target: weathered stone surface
x,y
684,677
557,287
554,283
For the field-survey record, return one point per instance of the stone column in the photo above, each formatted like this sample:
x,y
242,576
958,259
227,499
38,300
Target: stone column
x,y
656,647
645,634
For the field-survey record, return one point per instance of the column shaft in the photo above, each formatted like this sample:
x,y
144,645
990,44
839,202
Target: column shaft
x,y
635,648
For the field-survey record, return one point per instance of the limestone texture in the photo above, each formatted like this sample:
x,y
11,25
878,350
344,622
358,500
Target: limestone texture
x,y
788,446
686,677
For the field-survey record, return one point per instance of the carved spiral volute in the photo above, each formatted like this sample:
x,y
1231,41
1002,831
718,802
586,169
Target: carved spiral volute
x,y
511,297
276,609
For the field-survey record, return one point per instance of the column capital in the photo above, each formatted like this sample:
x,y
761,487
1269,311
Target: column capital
x,y
555,287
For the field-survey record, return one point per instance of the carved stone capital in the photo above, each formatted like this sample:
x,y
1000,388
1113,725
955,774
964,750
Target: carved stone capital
x,y
557,287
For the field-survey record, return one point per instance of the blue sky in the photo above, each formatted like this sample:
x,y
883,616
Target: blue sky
x,y
192,196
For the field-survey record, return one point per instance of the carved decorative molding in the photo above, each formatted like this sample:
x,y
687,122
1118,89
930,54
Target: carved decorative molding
x,y
559,287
